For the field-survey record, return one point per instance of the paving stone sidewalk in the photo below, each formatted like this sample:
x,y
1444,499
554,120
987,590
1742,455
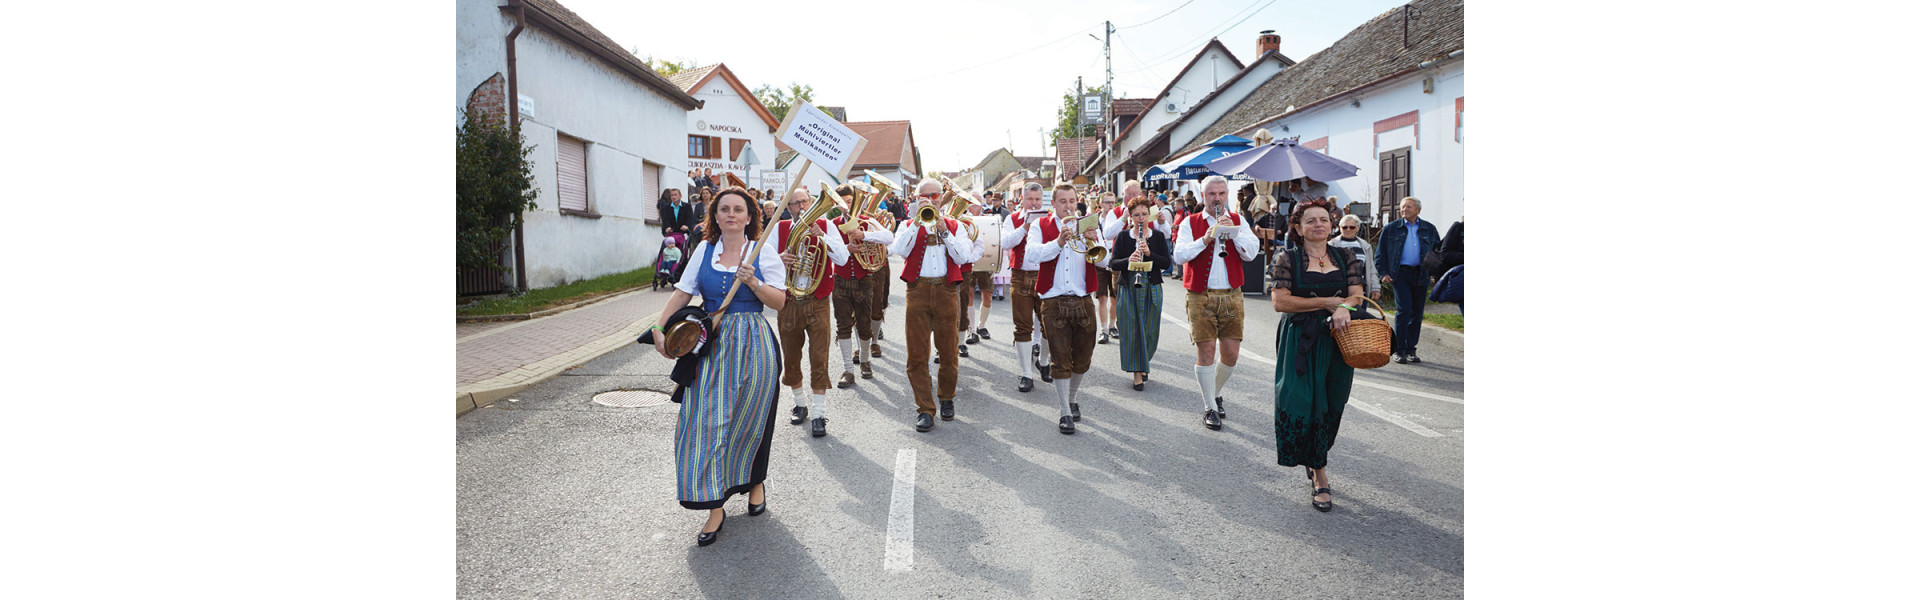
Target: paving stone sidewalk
x,y
491,357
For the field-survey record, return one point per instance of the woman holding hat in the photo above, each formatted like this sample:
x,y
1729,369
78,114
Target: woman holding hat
x,y
721,443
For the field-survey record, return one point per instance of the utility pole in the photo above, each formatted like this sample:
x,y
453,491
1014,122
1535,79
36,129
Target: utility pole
x,y
1080,105
1106,98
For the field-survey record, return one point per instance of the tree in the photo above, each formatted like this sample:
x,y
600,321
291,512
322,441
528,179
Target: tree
x,y
664,67
779,101
1069,114
493,185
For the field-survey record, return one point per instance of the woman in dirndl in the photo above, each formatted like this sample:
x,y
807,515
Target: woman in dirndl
x,y
1138,287
1319,284
721,444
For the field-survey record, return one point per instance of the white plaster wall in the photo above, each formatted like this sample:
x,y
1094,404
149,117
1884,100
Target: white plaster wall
x,y
1439,163
1213,69
1205,116
480,47
626,125
725,107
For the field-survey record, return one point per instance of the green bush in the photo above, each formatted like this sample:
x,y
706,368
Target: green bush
x,y
493,185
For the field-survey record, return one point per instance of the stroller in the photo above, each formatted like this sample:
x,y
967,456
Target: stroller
x,y
670,261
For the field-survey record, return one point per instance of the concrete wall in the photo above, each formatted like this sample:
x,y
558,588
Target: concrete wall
x,y
1203,117
729,117
1438,160
625,125
1213,70
480,48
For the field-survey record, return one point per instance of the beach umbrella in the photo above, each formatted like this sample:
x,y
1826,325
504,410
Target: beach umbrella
x,y
1282,160
1195,166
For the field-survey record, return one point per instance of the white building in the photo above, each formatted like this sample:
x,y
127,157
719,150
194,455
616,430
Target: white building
x,y
1210,68
718,132
1396,110
597,119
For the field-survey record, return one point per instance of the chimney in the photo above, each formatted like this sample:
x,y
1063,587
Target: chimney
x,y
1269,42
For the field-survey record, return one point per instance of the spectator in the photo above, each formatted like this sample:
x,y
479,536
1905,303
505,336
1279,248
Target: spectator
x,y
1402,245
1453,249
1350,241
676,218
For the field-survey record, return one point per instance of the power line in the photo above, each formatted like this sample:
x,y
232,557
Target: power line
x,y
1175,10
1009,56
1183,49
1136,57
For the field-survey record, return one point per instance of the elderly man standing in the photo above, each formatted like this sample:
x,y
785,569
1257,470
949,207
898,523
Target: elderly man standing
x,y
808,319
1020,287
1212,257
1402,244
933,273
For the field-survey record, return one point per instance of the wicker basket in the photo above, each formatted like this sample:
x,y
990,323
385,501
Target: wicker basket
x,y
1366,344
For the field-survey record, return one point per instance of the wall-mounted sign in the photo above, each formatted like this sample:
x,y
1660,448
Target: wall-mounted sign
x,y
526,107
702,125
1090,110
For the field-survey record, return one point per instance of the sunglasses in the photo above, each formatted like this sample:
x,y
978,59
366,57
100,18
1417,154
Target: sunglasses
x,y
1349,226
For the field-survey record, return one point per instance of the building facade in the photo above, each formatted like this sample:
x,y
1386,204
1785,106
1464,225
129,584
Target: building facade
x,y
732,118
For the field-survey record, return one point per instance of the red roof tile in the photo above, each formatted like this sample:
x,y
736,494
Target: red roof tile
x,y
886,143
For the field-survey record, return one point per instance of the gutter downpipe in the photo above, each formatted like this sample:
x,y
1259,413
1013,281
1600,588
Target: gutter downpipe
x,y
513,118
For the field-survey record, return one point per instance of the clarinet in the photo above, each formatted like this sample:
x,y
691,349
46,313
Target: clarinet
x,y
1140,237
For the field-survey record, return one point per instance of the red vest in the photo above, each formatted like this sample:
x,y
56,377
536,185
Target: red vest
x,y
852,269
912,270
1020,247
1044,284
825,288
1194,276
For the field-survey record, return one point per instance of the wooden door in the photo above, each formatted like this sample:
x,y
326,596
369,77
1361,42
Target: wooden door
x,y
1396,181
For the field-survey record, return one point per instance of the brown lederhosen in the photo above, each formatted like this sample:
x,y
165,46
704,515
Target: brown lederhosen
x,y
805,319
1216,315
1020,292
1069,330
853,306
880,284
930,311
981,281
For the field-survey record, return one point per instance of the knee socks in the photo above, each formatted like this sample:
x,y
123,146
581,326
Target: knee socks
x,y
846,354
1024,353
1207,384
819,405
1073,387
1220,381
1061,389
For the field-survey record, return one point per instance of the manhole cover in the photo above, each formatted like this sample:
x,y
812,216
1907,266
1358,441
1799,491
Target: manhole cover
x,y
630,398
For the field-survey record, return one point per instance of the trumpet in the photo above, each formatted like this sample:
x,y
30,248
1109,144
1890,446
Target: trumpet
x,y
1095,253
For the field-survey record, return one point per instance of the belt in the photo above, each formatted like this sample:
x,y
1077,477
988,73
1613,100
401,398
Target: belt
x,y
939,280
1026,271
1223,290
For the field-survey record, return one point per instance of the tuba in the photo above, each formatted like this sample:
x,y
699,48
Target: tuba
x,y
886,191
865,203
958,212
810,268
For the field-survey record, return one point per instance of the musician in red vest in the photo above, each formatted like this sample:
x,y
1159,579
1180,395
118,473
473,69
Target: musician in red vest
x,y
933,272
852,294
1211,244
1020,287
807,319
1065,286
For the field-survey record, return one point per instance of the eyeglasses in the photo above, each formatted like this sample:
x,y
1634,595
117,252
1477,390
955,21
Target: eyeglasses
x,y
1349,226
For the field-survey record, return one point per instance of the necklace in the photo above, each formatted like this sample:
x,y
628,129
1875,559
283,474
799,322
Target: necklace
x,y
1320,260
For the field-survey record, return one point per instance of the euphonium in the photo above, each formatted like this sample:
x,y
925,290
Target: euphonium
x,y
810,268
886,189
866,203
958,211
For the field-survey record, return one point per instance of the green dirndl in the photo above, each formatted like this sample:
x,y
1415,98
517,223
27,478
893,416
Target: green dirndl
x,y
1139,326
1308,403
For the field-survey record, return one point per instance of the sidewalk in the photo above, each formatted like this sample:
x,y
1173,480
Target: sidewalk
x,y
494,360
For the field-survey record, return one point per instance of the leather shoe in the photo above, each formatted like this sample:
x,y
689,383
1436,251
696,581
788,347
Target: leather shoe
x,y
1220,407
963,351
846,379
1103,338
1413,358
1026,383
1140,386
946,410
1075,408
1211,420
873,349
819,427
1400,358
1066,425
709,537
923,423
866,371
799,415
983,334
973,338
1046,372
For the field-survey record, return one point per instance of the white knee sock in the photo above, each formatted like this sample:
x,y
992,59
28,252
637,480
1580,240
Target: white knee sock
x,y
819,405
981,323
846,354
1060,389
1046,354
1024,350
862,352
1206,376
1073,387
1220,380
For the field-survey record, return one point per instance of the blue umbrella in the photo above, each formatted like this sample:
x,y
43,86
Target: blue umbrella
x,y
1283,160
1196,167
1156,173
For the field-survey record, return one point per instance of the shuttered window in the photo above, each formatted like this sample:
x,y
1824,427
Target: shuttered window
x,y
573,174
734,147
650,209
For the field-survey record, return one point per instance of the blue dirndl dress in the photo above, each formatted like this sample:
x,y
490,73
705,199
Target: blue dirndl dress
x,y
721,443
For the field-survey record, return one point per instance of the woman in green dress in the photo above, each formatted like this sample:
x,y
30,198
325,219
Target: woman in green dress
x,y
1319,284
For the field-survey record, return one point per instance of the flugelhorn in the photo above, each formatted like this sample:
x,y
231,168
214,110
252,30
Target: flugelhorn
x,y
810,268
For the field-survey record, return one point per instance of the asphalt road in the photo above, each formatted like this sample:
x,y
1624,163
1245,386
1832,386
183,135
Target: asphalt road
x,y
562,498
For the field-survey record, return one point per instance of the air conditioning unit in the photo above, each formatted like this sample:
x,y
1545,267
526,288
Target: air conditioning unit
x,y
1173,107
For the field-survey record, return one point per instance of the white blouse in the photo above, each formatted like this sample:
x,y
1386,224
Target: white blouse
x,y
768,268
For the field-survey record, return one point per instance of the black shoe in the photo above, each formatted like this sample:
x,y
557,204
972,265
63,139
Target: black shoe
x,y
963,351
1066,425
799,415
1115,331
755,510
946,410
1046,372
1146,377
1026,384
819,427
1103,338
1413,358
1221,403
1400,358
1211,420
936,360
856,358
1075,408
923,423
878,334
709,537
973,338
983,334
846,379
1140,386
1318,505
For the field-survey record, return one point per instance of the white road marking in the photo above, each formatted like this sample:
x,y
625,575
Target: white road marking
x,y
1392,418
1358,381
900,516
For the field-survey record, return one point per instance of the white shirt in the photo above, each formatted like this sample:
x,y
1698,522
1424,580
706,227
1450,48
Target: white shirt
x,y
1015,236
1069,273
958,246
767,267
1187,248
836,246
1112,229
877,235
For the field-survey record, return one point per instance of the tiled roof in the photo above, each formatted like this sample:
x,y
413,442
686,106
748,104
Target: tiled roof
x,y
1131,106
1214,43
1370,53
1073,151
886,142
691,77
989,158
839,113
1006,182
577,30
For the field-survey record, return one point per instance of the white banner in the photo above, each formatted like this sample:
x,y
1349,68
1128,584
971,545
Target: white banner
x,y
819,138
776,180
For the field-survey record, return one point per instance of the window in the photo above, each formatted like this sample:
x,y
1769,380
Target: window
x,y
572,171
697,146
650,207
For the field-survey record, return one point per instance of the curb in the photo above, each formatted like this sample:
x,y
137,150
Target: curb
x,y
1440,335
480,394
543,313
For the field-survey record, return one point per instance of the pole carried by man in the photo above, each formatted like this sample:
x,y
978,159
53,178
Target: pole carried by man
x,y
1211,245
932,303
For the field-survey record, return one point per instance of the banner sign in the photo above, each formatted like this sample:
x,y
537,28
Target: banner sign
x,y
1090,106
774,179
820,139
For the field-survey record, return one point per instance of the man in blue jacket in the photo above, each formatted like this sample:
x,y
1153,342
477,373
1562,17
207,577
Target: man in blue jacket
x,y
1402,244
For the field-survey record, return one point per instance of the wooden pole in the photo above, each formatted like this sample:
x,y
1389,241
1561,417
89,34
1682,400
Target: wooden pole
x,y
753,253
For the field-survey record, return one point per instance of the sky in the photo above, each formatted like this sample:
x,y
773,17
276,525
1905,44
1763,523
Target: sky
x,y
972,77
